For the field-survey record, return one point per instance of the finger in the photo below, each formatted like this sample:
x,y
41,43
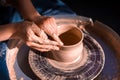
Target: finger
x,y
53,25
36,29
50,42
40,33
41,50
43,35
42,41
36,39
50,26
56,38
36,45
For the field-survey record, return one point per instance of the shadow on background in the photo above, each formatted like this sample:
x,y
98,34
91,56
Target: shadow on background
x,y
105,12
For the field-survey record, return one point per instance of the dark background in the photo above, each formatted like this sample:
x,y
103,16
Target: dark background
x,y
103,11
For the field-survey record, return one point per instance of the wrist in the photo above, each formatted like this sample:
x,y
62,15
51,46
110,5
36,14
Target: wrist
x,y
32,17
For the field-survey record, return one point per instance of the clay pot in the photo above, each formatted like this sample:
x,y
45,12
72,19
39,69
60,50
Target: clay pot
x,y
72,37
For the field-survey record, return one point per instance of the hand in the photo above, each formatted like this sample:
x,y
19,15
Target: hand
x,y
48,24
34,37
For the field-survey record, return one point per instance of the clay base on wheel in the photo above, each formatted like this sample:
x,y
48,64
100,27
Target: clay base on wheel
x,y
88,67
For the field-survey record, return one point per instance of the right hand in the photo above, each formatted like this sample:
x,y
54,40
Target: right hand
x,y
34,37
48,24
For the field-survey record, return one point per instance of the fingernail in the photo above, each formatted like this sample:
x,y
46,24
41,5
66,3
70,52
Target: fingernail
x,y
61,43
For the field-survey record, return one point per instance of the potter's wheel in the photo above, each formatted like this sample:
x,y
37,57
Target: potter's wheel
x,y
88,68
109,40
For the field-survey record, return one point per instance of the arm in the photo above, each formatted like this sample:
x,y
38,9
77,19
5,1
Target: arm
x,y
27,10
6,31
29,33
48,24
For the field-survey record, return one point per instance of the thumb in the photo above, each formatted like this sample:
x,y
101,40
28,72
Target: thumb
x,y
56,38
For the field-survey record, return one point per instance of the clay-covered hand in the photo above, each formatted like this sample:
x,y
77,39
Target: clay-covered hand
x,y
34,37
48,24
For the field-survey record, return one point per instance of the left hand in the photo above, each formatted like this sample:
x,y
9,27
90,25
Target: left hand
x,y
33,36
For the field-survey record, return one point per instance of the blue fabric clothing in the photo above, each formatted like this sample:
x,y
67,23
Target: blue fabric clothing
x,y
3,68
9,14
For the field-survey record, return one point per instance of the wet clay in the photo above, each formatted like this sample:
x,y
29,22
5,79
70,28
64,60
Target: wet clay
x,y
70,37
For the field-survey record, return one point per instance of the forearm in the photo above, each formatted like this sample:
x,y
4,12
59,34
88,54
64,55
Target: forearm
x,y
6,31
27,10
